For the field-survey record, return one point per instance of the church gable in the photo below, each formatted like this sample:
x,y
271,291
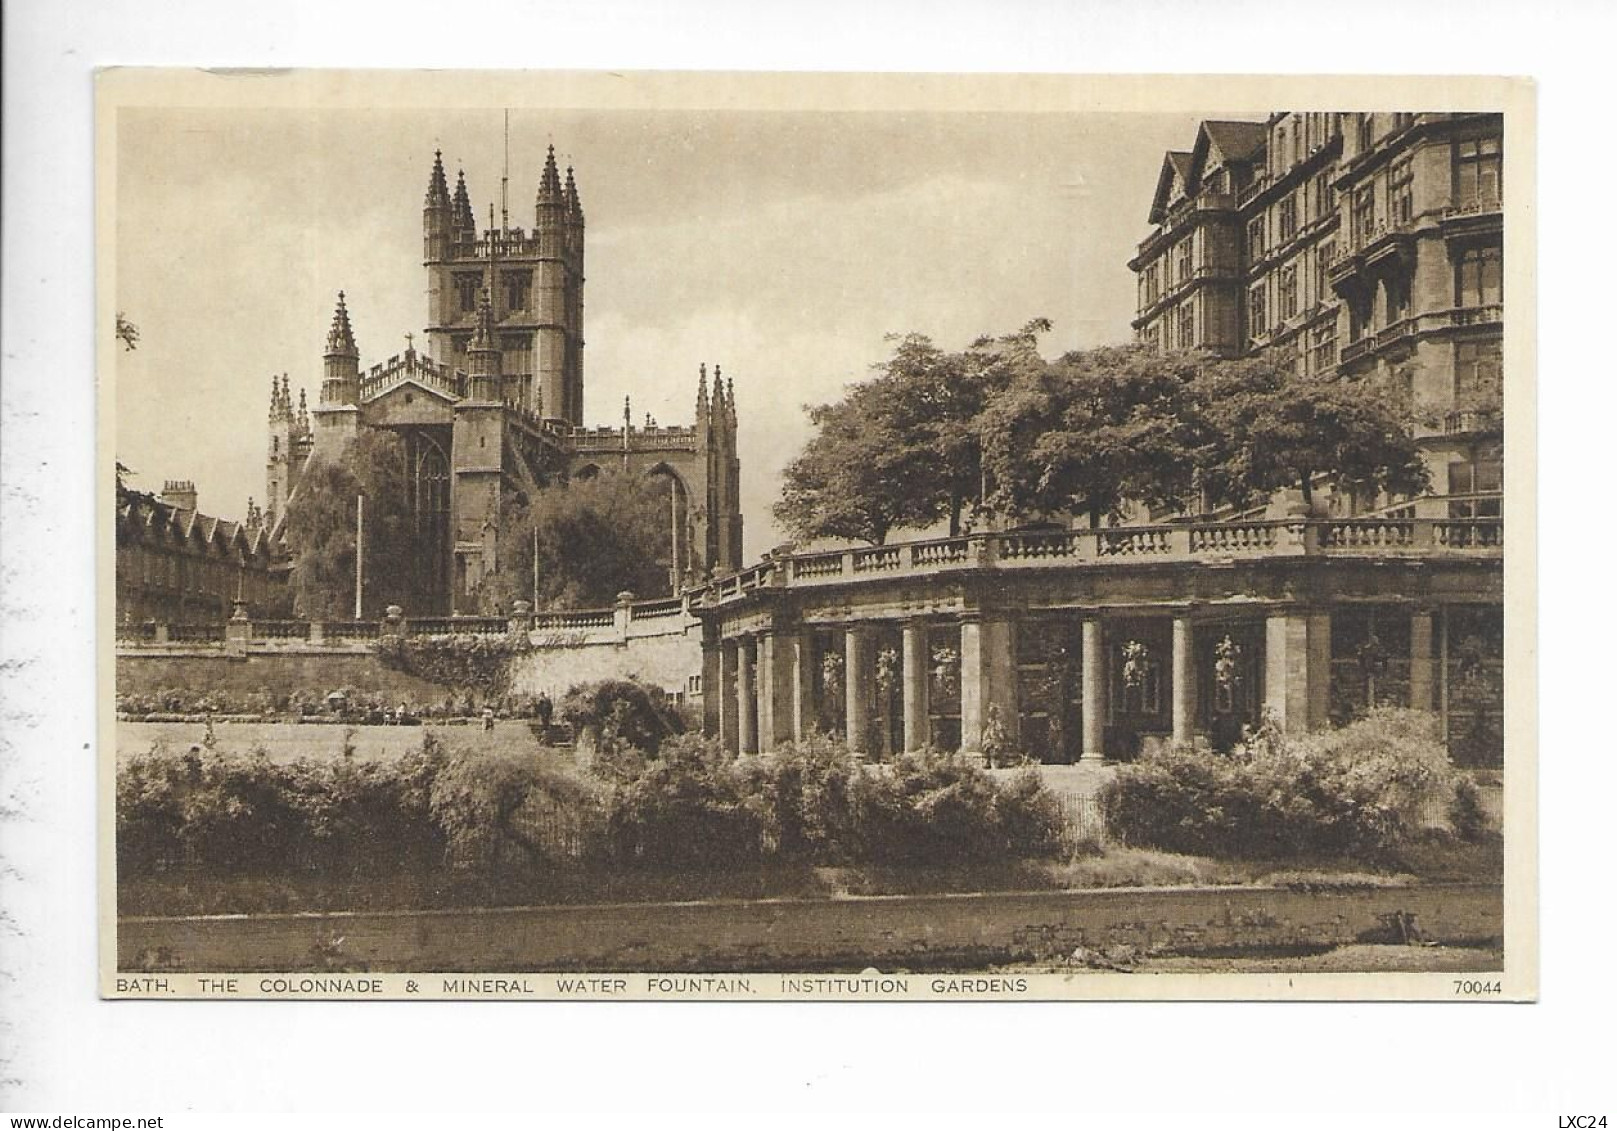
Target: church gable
x,y
410,402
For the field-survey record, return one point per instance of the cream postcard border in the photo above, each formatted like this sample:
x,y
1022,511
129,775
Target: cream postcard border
x,y
290,89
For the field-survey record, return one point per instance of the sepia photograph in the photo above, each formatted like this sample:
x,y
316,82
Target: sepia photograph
x,y
825,537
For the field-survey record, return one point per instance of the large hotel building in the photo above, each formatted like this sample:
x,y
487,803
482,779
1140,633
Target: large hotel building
x,y
1350,243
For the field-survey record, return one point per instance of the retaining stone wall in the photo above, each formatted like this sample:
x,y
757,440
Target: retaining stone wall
x,y
805,935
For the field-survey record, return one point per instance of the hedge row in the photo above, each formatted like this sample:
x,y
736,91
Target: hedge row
x,y
1366,790
475,809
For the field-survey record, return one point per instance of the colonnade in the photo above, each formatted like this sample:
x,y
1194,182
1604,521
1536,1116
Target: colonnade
x,y
760,685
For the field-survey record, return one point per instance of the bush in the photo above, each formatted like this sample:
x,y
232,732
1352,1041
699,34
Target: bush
x,y
1361,791
623,712
939,808
479,810
496,808
688,807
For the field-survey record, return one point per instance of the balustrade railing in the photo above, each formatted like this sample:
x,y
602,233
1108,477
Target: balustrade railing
x,y
1131,541
1469,533
954,551
352,630
1186,542
196,633
281,629
1034,545
573,620
818,565
1369,534
653,610
877,560
1238,537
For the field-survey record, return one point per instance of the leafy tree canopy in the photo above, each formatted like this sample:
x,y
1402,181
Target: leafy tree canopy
x,y
902,449
1000,429
321,525
596,538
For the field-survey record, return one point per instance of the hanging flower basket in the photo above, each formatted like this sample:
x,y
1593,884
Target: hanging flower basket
x,y
1136,663
886,670
1227,663
1471,655
1372,656
946,669
831,674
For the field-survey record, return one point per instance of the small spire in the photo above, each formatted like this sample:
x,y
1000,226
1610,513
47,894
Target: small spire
x,y
574,209
550,191
701,390
461,215
437,187
340,339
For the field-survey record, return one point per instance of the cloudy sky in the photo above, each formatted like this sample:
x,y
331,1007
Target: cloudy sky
x,y
782,245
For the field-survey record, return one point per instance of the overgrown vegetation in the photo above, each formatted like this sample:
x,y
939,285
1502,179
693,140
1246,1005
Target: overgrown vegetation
x,y
462,662
475,813
1362,792
621,715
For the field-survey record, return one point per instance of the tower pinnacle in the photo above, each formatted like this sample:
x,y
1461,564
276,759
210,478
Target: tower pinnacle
x,y
340,338
437,186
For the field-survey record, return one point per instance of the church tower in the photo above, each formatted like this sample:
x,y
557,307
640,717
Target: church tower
x,y
279,459
536,290
478,448
337,417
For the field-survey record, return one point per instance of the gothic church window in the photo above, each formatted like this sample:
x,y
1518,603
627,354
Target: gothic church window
x,y
466,287
517,286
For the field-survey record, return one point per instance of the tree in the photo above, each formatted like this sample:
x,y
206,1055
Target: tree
x,y
321,525
596,538
1092,430
901,449
1281,430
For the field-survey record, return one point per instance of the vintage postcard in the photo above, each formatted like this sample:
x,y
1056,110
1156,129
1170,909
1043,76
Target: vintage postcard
x,y
816,537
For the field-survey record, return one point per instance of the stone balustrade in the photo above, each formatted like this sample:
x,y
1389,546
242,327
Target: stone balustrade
x,y
617,623
1178,542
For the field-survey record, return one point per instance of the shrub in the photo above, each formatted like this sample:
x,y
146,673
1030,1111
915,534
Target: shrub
x,y
803,794
939,808
624,712
495,808
688,807
1362,790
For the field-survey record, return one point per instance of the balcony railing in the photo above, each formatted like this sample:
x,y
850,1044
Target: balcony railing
x,y
1174,543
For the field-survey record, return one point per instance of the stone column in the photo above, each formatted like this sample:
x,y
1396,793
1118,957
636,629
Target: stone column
x,y
987,679
729,698
1184,681
800,658
766,692
776,667
1421,683
917,684
856,678
712,686
746,700
1094,676
1297,669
